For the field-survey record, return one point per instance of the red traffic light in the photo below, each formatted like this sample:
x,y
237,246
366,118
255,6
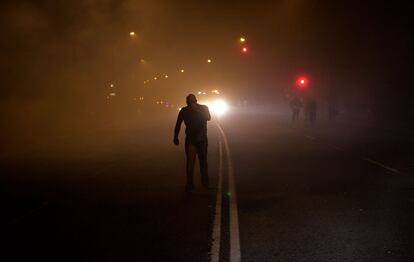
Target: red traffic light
x,y
302,82
244,50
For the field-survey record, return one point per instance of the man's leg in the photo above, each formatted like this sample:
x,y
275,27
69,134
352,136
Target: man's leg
x,y
313,118
295,115
202,157
190,151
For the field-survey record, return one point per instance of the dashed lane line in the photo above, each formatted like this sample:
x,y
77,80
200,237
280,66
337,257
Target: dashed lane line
x,y
310,137
392,170
30,213
336,147
46,204
381,165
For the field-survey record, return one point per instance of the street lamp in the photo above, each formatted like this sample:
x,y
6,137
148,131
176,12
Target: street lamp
x,y
242,39
132,33
209,61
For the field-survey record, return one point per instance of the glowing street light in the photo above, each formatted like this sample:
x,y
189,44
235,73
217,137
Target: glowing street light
x,y
166,76
132,33
182,71
242,39
209,61
155,78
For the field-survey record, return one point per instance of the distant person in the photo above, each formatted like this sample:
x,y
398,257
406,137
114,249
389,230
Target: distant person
x,y
295,105
333,112
312,108
195,117
332,108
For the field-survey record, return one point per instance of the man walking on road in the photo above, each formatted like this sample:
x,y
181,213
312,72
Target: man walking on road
x,y
295,105
195,117
311,108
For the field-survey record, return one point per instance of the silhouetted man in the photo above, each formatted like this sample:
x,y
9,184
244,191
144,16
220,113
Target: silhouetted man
x,y
195,117
312,108
295,105
332,108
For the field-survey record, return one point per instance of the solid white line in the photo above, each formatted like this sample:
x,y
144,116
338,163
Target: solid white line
x,y
216,235
381,165
235,255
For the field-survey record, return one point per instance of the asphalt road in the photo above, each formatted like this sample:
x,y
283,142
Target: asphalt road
x,y
335,192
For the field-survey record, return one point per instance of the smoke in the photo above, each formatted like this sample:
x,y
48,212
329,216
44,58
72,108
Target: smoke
x,y
60,59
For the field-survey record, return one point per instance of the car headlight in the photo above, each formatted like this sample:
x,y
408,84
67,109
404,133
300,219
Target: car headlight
x,y
219,107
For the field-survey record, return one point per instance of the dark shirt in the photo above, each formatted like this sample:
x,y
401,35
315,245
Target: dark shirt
x,y
296,104
195,118
312,106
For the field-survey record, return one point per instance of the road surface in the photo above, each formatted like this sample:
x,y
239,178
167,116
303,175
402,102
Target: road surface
x,y
279,193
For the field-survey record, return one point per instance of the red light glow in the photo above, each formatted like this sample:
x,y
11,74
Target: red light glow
x,y
302,82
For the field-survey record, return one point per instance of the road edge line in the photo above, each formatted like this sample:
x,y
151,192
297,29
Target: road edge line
x,y
235,254
216,234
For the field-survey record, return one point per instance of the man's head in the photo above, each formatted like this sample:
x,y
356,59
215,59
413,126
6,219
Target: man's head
x,y
191,99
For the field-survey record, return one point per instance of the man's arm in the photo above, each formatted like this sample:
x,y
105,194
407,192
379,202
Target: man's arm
x,y
178,127
207,114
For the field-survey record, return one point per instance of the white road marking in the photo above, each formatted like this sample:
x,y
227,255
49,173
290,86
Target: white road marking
x,y
381,165
393,170
46,204
336,147
216,236
31,212
310,138
235,255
